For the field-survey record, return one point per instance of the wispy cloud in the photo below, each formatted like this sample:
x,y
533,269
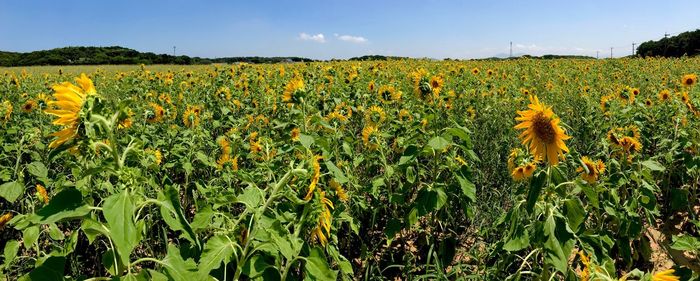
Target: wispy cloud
x,y
351,39
316,38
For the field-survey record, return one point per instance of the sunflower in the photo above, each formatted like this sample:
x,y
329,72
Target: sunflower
x,y
375,115
339,191
630,144
323,230
605,102
436,83
42,100
666,275
475,70
191,116
523,172
665,95
29,106
5,111
155,113
154,155
4,219
648,102
295,134
369,135
388,94
405,115
543,134
292,87
42,193
371,86
67,107
689,80
315,177
590,169
586,272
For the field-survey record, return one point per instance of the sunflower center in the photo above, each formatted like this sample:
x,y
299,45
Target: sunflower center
x,y
689,81
543,128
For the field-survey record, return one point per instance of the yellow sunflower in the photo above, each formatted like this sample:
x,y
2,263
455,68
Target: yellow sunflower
x,y
523,172
543,135
666,275
295,134
315,177
293,86
592,170
369,135
191,116
689,80
67,106
665,95
323,230
5,111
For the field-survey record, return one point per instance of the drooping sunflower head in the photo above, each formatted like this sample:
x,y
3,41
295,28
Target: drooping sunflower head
x,y
375,115
191,116
370,137
689,80
542,133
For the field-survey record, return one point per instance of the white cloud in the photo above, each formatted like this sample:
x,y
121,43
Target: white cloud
x,y
351,39
316,38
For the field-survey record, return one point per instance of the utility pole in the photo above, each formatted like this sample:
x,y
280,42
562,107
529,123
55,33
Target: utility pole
x,y
511,49
173,51
633,48
611,48
596,54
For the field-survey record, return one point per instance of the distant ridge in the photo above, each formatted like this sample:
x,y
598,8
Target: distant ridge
x,y
119,55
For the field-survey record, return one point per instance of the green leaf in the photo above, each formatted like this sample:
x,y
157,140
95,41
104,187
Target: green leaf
x,y
174,216
11,191
411,174
591,193
686,243
65,205
575,213
50,270
10,252
92,229
218,249
118,210
338,175
252,197
392,227
317,268
554,253
179,269
30,235
38,170
520,241
653,165
256,266
462,133
438,143
468,188
536,186
430,200
306,140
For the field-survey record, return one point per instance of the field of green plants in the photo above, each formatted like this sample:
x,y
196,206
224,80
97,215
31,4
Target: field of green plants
x,y
401,170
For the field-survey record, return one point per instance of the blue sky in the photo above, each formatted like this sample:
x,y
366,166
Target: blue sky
x,y
342,29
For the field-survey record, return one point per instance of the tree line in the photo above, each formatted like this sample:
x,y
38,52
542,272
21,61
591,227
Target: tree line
x,y
119,55
686,43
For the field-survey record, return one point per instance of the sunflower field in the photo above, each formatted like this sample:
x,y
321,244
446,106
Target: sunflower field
x,y
519,169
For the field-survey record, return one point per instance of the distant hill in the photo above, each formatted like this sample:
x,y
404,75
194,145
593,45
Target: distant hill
x,y
686,43
119,55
